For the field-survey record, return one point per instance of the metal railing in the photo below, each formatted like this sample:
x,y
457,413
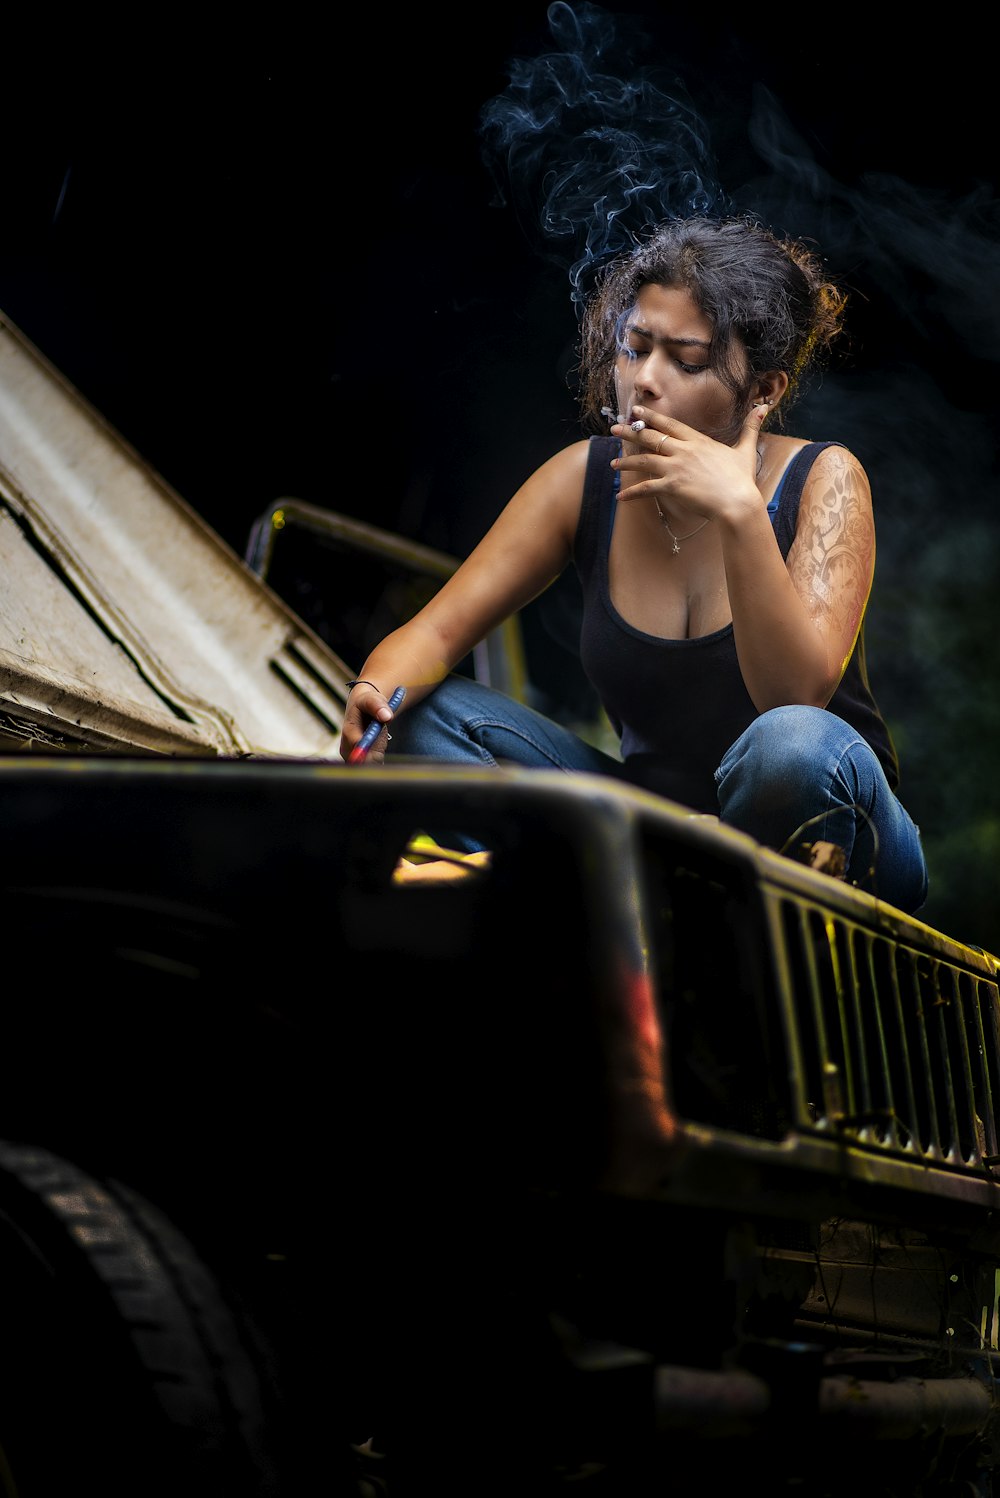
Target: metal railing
x,y
498,662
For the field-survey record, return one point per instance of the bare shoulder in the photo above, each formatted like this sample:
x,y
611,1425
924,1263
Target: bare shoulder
x,y
836,461
835,532
837,484
556,486
832,460
568,465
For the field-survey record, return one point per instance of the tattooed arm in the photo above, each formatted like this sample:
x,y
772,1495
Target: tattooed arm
x,y
795,626
832,560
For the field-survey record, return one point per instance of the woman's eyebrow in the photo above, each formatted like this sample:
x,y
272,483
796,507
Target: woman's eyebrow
x,y
668,337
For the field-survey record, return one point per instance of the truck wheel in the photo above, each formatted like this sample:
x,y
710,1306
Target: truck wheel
x,y
122,1367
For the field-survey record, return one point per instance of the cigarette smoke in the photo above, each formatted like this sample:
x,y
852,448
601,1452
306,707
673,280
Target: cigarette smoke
x,y
593,148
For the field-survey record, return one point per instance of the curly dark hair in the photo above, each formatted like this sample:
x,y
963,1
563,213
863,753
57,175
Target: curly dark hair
x,y
767,297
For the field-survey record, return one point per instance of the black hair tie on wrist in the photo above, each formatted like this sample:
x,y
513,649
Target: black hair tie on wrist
x,y
361,683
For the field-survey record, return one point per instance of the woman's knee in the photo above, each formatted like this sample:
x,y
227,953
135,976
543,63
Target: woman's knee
x,y
784,739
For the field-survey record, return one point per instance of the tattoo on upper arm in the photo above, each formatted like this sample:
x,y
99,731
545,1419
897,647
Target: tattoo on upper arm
x,y
831,559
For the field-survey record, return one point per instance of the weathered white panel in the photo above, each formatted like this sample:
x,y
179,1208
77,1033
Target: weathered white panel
x,y
197,623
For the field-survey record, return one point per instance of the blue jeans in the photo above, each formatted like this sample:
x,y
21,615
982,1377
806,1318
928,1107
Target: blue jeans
x,y
797,774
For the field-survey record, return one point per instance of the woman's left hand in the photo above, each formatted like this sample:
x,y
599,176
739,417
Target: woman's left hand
x,y
699,476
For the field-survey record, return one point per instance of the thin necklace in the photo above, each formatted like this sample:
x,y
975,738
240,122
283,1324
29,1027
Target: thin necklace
x,y
678,539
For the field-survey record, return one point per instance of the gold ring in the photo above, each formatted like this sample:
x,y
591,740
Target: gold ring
x,y
663,439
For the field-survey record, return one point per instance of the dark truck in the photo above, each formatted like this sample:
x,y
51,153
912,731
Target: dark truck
x,y
641,1160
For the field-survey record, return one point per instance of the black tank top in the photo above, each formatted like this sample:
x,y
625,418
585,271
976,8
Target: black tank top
x,y
677,705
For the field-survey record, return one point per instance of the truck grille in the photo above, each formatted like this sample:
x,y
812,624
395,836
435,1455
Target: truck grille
x,y
896,1046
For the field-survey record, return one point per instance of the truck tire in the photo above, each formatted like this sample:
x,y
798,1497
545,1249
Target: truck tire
x,y
122,1367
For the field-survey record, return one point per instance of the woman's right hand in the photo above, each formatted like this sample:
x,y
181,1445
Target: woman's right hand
x,y
365,703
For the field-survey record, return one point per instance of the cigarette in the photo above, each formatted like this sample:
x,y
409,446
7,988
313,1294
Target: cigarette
x,y
371,733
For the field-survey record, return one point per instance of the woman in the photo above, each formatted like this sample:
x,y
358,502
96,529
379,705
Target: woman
x,y
725,568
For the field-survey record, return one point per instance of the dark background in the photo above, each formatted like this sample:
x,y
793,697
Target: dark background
x,y
292,264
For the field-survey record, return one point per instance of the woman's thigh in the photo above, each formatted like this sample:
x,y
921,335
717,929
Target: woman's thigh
x,y
465,722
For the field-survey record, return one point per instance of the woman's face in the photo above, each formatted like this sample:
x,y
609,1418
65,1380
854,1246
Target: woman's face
x,y
664,364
